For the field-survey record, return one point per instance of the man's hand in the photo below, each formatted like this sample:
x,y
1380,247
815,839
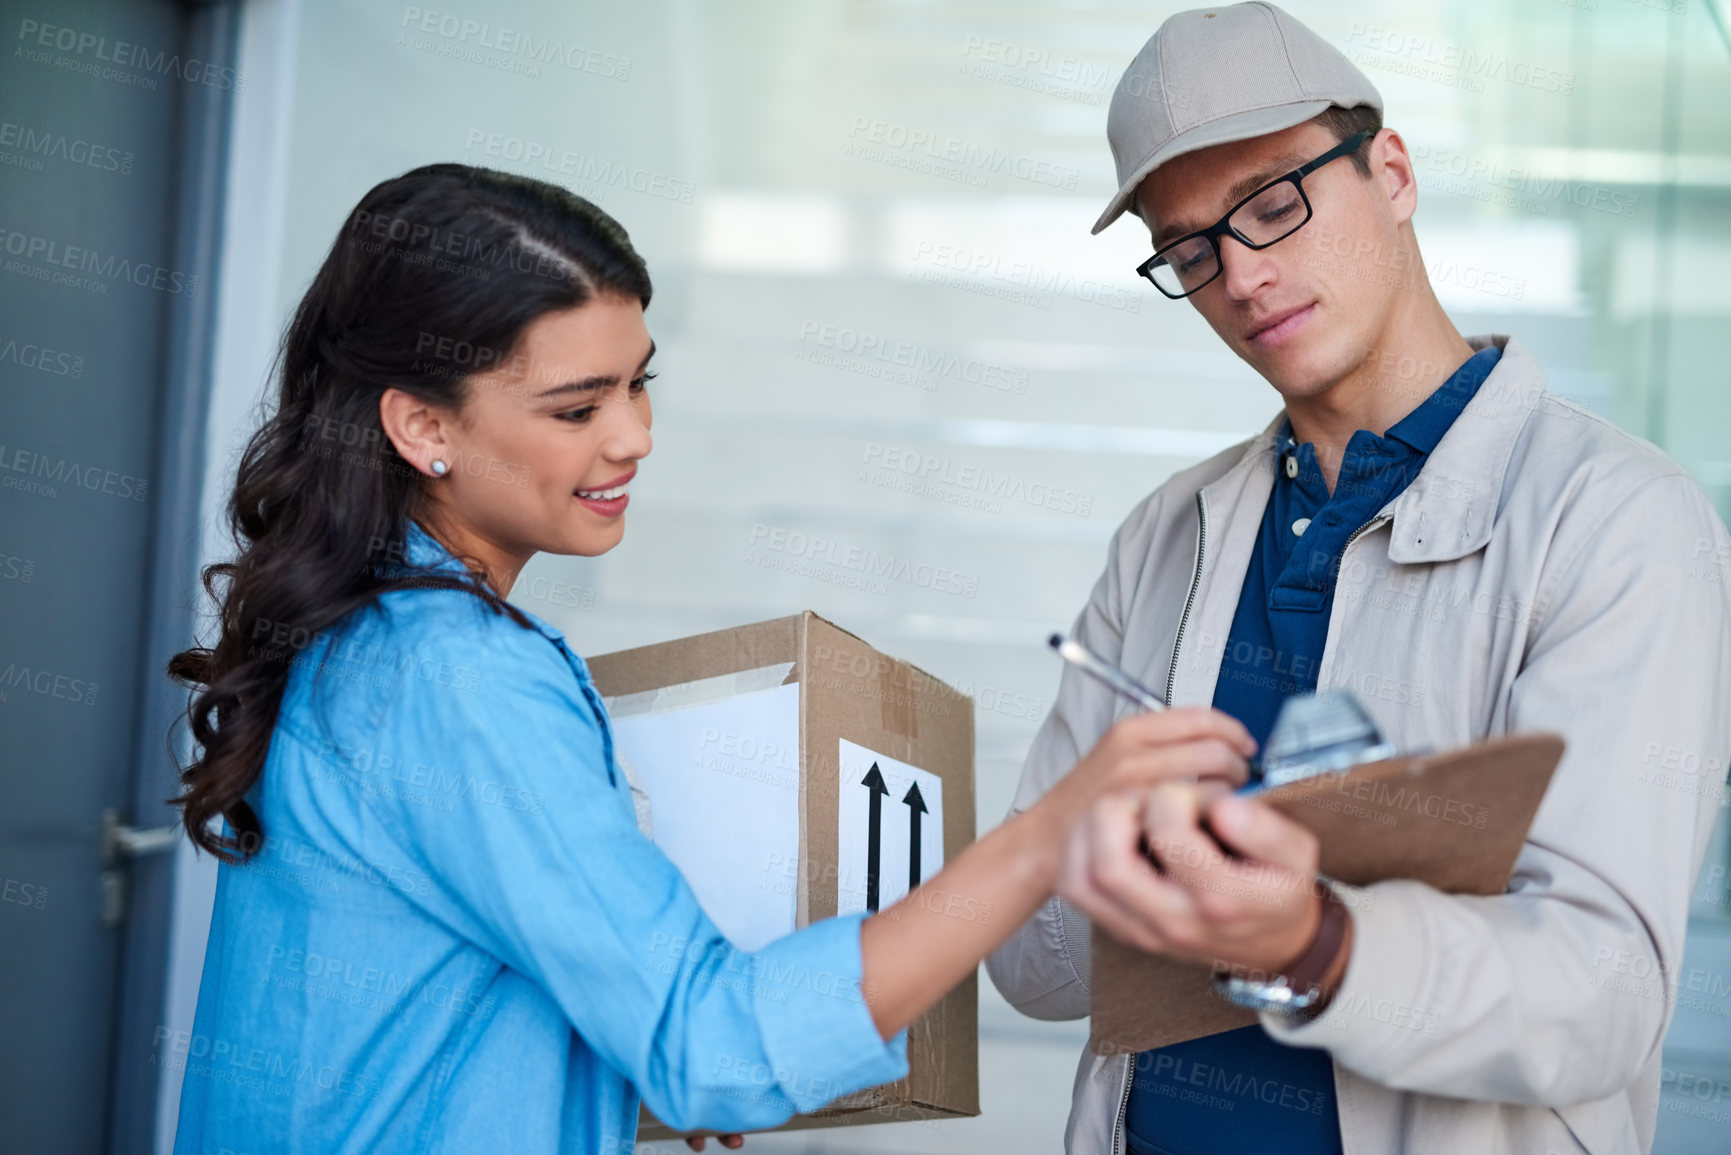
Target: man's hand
x,y
1257,908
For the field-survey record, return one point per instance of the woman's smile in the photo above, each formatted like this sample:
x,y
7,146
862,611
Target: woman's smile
x,y
608,500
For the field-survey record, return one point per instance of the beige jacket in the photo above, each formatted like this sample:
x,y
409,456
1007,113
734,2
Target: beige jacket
x,y
1544,571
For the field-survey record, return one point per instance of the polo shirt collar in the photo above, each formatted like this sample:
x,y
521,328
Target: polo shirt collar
x,y
1425,426
1449,509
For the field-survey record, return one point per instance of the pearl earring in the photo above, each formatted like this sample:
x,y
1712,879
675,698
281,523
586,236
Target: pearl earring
x,y
439,467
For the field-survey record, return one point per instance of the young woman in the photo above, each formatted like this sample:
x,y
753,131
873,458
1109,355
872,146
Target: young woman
x,y
437,927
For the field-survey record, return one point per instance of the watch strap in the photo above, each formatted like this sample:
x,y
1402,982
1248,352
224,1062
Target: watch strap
x,y
1307,972
1295,993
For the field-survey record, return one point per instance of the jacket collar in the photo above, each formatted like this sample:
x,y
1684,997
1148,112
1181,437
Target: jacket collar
x,y
1449,509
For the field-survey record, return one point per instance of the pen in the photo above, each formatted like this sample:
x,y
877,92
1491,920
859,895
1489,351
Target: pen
x,y
1081,657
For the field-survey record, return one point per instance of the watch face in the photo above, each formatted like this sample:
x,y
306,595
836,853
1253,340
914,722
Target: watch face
x,y
1273,996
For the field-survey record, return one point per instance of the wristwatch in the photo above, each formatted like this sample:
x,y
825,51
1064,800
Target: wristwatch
x,y
1296,991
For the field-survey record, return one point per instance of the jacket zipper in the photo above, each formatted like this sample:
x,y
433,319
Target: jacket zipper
x,y
1195,584
1171,677
1348,543
1341,564
1123,1108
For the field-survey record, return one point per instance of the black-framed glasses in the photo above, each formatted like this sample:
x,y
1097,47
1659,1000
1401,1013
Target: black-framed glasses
x,y
1271,213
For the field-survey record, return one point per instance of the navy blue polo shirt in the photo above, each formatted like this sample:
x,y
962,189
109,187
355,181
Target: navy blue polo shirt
x,y
1238,1092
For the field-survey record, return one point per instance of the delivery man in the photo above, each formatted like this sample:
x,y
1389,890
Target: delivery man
x,y
1425,525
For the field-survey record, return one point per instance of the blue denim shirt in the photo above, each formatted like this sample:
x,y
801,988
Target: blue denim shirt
x,y
454,938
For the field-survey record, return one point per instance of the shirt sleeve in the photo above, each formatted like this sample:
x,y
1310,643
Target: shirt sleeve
x,y
542,864
1560,990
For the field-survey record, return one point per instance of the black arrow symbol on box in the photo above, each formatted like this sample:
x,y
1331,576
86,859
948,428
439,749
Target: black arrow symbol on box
x,y
916,806
874,781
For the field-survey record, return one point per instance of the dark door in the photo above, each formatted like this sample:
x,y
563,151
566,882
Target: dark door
x,y
112,122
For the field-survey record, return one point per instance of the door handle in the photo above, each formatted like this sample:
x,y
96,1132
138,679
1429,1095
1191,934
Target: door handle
x,y
121,842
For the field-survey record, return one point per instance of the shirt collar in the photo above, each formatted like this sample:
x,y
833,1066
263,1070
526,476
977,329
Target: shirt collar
x,y
1424,427
1450,507
423,551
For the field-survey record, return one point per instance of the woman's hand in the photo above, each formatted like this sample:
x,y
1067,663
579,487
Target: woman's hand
x,y
919,948
696,1142
1192,744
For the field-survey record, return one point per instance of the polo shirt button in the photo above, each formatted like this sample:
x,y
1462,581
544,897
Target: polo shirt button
x,y
1299,526
1291,465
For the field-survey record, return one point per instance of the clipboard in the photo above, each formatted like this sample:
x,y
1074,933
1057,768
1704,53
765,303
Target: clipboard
x,y
1455,820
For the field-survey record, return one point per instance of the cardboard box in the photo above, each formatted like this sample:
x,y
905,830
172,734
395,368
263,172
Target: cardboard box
x,y
791,723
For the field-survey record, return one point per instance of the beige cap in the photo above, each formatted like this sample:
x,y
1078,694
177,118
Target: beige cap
x,y
1212,75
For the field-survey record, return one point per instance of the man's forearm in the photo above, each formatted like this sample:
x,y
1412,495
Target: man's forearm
x,y
1489,998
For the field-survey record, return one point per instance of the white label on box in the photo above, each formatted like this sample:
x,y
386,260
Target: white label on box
x,y
723,783
890,836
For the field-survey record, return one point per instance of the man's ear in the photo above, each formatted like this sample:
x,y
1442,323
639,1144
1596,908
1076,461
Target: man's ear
x,y
419,430
1390,164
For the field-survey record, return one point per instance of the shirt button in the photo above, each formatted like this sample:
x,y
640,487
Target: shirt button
x,y
1299,526
1291,465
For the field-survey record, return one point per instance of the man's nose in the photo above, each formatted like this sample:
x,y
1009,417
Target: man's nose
x,y
1244,269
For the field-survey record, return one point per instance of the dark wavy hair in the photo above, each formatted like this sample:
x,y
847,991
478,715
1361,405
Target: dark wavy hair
x,y
434,276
